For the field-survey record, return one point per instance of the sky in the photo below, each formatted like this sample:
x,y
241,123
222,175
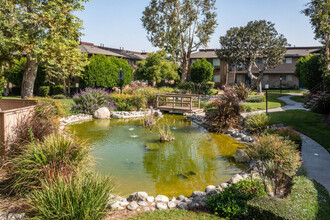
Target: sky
x,y
116,23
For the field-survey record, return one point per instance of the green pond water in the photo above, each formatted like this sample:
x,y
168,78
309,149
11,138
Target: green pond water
x,y
137,161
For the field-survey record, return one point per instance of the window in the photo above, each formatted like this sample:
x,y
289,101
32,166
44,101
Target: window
x,y
239,79
287,60
216,78
288,78
216,62
265,78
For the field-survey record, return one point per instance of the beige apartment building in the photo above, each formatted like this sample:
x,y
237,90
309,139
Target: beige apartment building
x,y
226,75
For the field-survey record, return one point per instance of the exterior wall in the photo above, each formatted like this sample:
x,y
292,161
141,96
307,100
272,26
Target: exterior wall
x,y
14,111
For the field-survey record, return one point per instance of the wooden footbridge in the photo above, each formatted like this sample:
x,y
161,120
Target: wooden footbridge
x,y
179,103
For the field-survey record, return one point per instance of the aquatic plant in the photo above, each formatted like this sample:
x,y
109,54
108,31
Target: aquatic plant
x,y
149,120
165,132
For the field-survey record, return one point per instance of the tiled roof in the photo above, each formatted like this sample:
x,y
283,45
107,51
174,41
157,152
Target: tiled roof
x,y
96,50
291,52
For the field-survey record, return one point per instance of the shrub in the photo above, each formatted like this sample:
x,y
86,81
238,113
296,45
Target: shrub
x,y
245,108
256,123
308,70
44,90
128,102
227,112
102,71
279,160
196,88
71,197
36,126
256,98
91,99
206,88
56,90
201,71
242,91
232,202
61,96
308,200
290,134
322,105
46,159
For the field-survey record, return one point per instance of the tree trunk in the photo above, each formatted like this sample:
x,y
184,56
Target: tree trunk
x,y
29,77
64,86
69,87
185,67
259,82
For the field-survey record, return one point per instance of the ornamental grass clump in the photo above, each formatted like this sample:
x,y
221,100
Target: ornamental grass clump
x,y
226,113
232,202
256,123
242,91
89,100
279,160
55,155
72,197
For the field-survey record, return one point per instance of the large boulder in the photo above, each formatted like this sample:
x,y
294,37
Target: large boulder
x,y
138,196
161,198
241,157
102,113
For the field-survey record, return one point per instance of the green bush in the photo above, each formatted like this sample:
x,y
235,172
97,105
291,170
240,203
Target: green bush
x,y
44,90
308,200
56,90
278,158
232,202
91,99
201,71
204,88
128,102
256,98
308,70
322,105
256,123
72,197
60,96
289,134
102,71
46,159
245,108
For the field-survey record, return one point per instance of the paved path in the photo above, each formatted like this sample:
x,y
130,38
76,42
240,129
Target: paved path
x,y
316,161
290,105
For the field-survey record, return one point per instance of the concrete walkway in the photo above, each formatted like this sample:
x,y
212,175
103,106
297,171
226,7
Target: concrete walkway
x,y
316,161
290,105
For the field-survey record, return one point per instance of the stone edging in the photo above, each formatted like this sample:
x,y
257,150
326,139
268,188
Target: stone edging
x,y
140,201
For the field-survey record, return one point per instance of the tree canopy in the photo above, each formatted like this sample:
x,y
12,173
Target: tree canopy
x,y
308,70
319,13
44,31
102,71
180,27
246,45
157,68
201,71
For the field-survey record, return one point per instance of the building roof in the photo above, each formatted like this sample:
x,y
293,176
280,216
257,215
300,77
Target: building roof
x,y
96,50
291,52
204,53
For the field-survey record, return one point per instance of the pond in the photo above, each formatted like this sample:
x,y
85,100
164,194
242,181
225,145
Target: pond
x,y
137,161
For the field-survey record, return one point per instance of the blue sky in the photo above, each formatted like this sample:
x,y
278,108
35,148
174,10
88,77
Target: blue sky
x,y
116,23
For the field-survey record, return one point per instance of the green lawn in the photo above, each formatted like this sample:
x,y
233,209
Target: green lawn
x,y
174,214
298,99
273,101
308,123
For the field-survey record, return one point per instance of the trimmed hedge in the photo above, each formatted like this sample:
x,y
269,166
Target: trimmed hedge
x,y
201,71
44,91
308,200
256,98
128,102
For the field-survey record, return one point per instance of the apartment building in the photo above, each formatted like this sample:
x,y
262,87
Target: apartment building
x,y
225,74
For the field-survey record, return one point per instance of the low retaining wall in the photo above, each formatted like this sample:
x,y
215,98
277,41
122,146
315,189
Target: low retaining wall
x,y
12,110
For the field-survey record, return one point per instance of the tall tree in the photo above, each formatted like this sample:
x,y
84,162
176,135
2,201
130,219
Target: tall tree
x,y
43,31
180,27
319,13
308,70
258,40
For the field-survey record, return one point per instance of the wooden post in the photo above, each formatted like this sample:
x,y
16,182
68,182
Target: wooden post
x,y
191,103
181,102
165,100
173,99
199,102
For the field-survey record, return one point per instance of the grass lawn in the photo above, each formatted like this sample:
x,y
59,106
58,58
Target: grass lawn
x,y
308,123
298,99
174,214
273,101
